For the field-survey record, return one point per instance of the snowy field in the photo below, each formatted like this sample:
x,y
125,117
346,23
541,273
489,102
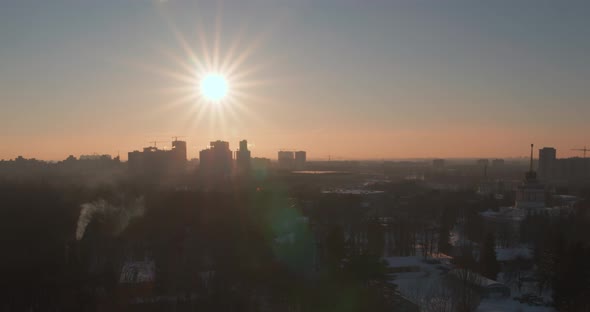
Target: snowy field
x,y
509,305
424,283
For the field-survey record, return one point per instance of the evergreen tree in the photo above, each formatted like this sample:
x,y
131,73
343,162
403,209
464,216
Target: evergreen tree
x,y
444,231
444,238
375,238
488,264
335,246
571,279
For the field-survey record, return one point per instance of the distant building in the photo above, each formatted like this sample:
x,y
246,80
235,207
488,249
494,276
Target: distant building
x,y
497,162
547,162
95,157
491,187
243,158
573,170
179,152
483,162
530,195
155,162
260,166
300,159
217,160
438,163
286,160
135,161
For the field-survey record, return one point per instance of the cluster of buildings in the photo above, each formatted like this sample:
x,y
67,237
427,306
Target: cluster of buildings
x,y
530,195
534,195
562,170
154,161
290,160
553,172
217,161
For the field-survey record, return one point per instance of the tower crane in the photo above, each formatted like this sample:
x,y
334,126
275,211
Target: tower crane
x,y
581,150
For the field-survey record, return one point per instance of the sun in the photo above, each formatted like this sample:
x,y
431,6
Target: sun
x,y
218,85
213,87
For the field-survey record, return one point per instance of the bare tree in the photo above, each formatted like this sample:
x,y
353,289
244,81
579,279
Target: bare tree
x,y
465,289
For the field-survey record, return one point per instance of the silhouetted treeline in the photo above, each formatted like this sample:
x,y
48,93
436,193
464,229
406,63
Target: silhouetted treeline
x,y
561,248
214,251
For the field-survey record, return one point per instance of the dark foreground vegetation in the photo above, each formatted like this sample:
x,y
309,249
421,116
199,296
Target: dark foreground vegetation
x,y
263,248
214,251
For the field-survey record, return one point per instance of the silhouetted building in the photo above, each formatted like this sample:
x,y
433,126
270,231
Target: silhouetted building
x,y
154,162
497,162
179,151
530,195
286,160
135,161
438,163
300,159
217,160
89,163
562,171
483,162
489,187
95,157
260,166
243,158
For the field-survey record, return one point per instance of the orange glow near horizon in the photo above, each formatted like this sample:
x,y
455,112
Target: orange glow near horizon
x,y
332,98
338,144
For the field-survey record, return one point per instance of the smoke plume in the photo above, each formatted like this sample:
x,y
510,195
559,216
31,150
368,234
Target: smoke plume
x,y
118,216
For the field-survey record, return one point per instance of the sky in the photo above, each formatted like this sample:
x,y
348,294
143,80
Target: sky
x,y
345,79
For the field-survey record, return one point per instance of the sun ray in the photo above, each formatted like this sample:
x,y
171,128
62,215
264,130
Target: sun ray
x,y
211,82
189,67
244,55
185,45
217,37
203,44
231,51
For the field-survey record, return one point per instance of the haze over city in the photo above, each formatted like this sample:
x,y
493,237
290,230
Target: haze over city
x,y
295,155
341,79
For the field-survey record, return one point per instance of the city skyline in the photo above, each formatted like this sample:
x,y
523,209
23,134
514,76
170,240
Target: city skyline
x,y
399,80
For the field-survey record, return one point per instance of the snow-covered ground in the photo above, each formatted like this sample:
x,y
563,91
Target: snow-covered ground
x,y
424,281
509,305
506,254
505,213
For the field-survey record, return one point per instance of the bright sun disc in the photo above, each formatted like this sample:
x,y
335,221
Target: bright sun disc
x,y
213,87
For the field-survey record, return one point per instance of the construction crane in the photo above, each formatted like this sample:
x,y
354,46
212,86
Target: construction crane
x,y
581,150
155,143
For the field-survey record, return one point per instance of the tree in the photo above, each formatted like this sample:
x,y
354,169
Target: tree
x,y
364,268
571,279
464,294
515,271
335,246
465,259
548,255
444,238
444,231
375,238
488,264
